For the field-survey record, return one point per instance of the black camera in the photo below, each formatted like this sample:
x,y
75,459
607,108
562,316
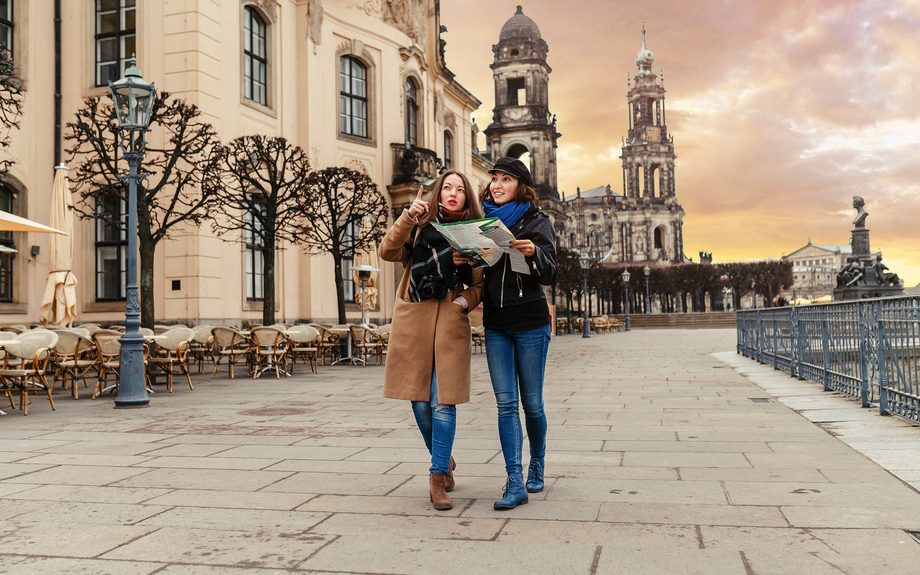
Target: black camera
x,y
432,287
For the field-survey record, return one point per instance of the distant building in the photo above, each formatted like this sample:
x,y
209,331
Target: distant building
x,y
815,267
644,224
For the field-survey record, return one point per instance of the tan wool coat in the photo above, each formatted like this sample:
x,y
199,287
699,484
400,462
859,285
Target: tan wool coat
x,y
428,333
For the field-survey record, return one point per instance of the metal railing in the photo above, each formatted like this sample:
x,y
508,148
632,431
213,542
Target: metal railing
x,y
867,349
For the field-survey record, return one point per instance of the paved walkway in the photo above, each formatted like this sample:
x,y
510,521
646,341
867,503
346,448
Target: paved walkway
x,y
658,463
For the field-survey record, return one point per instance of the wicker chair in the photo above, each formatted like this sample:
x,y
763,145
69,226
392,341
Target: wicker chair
x,y
479,338
328,344
200,349
172,349
231,344
74,355
364,343
304,344
108,359
269,351
27,370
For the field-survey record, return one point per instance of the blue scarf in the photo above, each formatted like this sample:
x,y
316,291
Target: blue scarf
x,y
509,213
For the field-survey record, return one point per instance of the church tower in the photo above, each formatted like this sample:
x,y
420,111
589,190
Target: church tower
x,y
651,227
521,120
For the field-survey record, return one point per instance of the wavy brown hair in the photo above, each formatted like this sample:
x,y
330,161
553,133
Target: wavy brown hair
x,y
471,208
523,193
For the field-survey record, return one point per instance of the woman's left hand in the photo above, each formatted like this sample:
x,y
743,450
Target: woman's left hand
x,y
459,260
526,247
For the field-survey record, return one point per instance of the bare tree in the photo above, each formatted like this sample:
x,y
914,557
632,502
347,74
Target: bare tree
x,y
10,104
338,201
259,184
171,195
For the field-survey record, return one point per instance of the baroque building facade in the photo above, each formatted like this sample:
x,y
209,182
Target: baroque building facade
x,y
644,224
354,83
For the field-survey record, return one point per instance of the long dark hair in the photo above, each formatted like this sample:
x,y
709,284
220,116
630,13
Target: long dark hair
x,y
471,208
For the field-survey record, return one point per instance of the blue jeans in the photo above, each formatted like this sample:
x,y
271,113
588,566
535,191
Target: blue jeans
x,y
438,424
517,362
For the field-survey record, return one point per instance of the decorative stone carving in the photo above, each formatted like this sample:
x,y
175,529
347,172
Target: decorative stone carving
x,y
267,7
315,21
450,120
408,16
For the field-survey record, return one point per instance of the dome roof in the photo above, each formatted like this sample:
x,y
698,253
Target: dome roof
x,y
520,26
645,58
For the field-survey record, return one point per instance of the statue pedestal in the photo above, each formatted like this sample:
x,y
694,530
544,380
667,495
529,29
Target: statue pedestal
x,y
867,291
860,244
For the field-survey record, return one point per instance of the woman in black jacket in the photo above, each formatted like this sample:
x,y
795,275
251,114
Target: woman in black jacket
x,y
517,324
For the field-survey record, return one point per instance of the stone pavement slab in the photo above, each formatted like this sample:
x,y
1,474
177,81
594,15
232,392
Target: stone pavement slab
x,y
657,462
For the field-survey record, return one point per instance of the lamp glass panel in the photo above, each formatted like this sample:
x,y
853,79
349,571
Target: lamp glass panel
x,y
625,276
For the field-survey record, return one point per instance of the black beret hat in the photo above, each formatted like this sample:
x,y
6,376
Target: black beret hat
x,y
515,168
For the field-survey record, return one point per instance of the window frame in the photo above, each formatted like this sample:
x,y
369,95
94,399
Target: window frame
x,y
120,34
254,270
351,98
349,241
250,35
448,150
121,246
412,111
7,271
10,26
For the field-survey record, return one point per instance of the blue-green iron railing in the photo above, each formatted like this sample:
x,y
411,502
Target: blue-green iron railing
x,y
867,349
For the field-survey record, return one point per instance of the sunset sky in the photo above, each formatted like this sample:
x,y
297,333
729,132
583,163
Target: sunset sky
x,y
781,111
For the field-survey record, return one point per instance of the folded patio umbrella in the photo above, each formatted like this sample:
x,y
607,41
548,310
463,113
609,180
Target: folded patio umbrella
x,y
59,304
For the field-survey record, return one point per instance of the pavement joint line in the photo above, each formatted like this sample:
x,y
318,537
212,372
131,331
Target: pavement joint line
x,y
597,560
701,544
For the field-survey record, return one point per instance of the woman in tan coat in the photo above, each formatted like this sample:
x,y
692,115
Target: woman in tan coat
x,y
428,360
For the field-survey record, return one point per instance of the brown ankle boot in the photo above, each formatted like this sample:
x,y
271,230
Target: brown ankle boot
x,y
449,484
439,496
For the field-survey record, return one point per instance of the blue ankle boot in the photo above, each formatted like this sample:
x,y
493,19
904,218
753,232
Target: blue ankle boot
x,y
514,493
535,475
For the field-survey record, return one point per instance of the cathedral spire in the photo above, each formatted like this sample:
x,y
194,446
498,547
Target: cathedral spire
x,y
645,59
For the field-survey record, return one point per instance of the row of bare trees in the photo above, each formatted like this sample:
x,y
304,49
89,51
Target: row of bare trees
x,y
686,287
258,190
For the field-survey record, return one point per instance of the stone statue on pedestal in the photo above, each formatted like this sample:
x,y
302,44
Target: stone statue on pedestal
x,y
861,214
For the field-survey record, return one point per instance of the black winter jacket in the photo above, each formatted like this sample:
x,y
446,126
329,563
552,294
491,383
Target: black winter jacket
x,y
504,287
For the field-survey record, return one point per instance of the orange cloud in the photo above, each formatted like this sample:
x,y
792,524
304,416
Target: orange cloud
x,y
781,110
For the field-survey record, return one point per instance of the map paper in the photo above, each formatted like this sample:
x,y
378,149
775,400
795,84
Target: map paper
x,y
484,242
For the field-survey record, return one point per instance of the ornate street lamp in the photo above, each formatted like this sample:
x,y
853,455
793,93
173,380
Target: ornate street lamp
x,y
754,292
625,277
585,263
133,98
648,306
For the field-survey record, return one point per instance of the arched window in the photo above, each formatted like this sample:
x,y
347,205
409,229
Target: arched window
x,y
448,150
115,37
255,59
6,256
659,238
352,97
411,112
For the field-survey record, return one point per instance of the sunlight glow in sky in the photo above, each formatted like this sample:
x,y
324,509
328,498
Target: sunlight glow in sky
x,y
781,111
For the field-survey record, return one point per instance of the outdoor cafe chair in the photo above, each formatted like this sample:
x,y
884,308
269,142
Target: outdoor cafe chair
x,y
304,344
74,356
478,334
200,348
365,343
171,357
27,370
231,344
269,351
108,359
329,345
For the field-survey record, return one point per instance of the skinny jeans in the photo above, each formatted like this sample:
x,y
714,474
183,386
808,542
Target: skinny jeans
x,y
438,424
517,363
